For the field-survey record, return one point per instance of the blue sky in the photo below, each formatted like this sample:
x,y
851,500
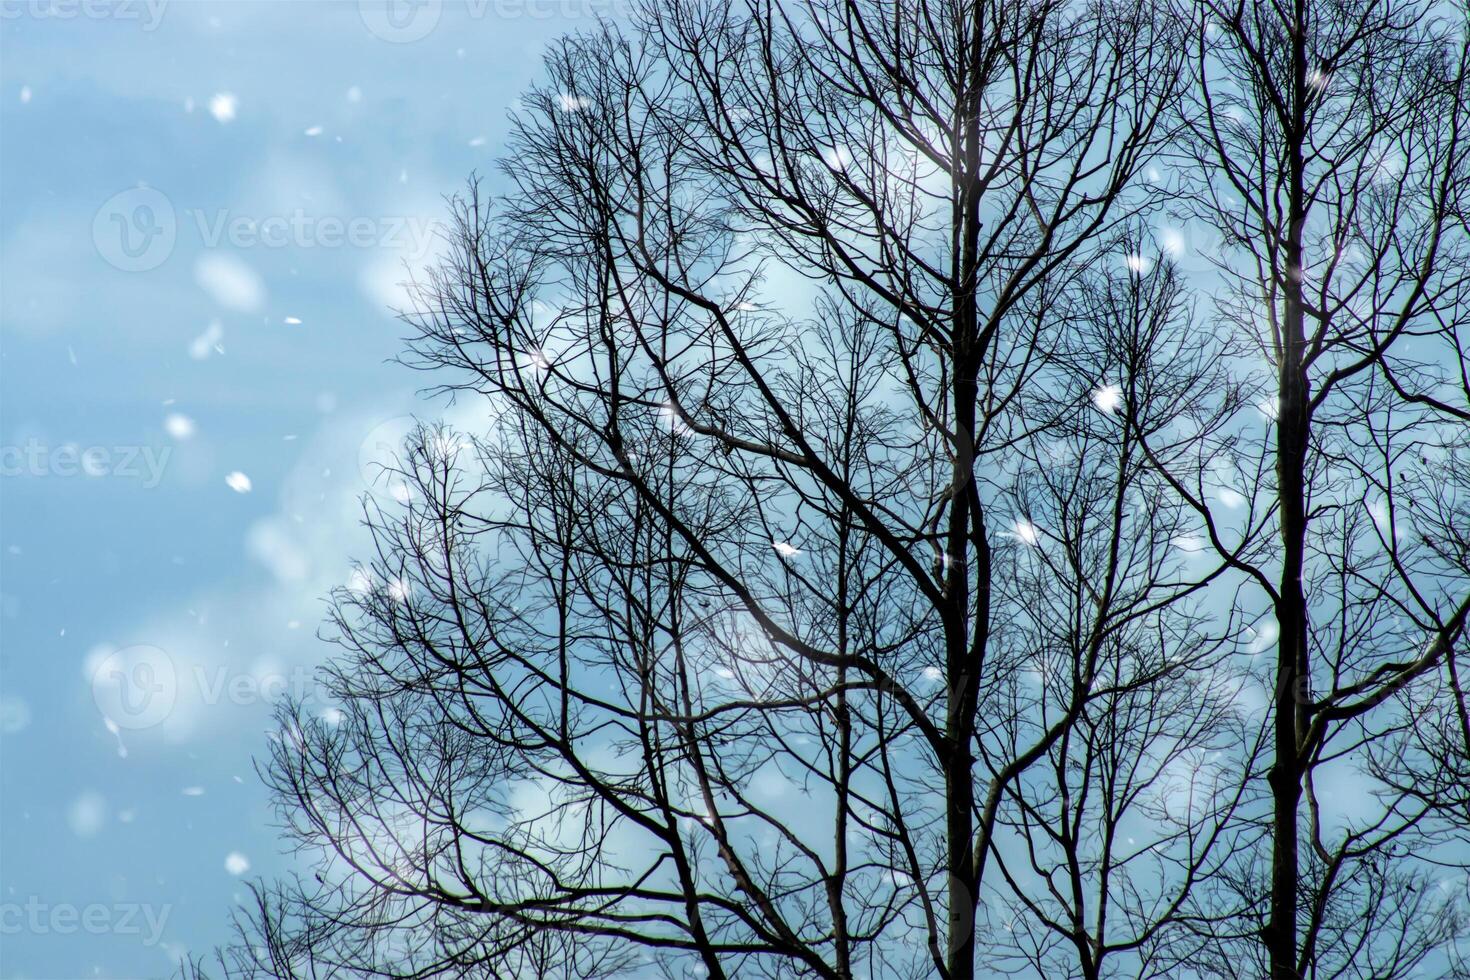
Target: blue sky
x,y
205,209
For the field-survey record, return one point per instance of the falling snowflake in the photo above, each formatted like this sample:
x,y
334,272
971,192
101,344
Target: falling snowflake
x,y
238,482
785,550
179,426
223,106
208,342
1136,263
400,589
313,131
354,94
1171,240
294,321
87,814
1026,533
1262,638
192,791
112,726
1108,398
25,94
236,863
567,102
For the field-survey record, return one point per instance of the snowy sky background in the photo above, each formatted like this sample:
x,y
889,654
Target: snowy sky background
x,y
204,209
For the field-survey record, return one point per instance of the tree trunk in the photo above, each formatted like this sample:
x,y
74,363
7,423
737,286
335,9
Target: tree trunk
x,y
1292,429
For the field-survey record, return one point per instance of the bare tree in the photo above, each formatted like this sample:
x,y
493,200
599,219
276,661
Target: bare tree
x,y
839,583
1328,149
1136,801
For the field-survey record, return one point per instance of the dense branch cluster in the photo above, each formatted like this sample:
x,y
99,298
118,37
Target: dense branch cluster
x,y
964,488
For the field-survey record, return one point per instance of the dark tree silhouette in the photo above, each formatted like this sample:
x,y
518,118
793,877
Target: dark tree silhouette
x,y
1327,147
839,583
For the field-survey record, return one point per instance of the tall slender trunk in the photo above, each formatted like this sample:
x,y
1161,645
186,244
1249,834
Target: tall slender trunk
x,y
1292,433
959,727
1285,777
959,721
